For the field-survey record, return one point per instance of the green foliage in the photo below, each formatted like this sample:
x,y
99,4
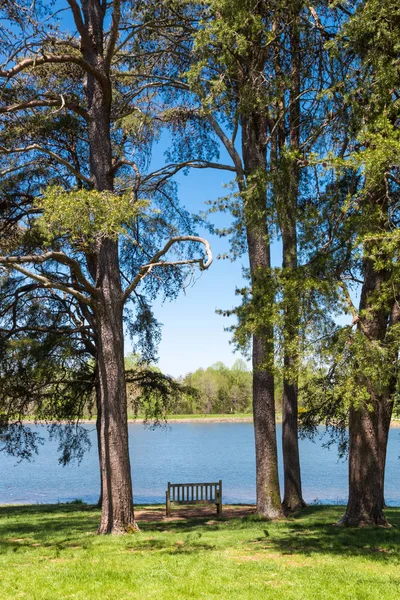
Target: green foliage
x,y
217,389
44,378
151,394
86,215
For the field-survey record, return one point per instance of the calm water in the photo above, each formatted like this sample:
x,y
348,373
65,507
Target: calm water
x,y
184,452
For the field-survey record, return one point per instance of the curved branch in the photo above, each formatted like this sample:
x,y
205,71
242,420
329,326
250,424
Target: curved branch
x,y
233,153
50,102
47,283
173,168
156,262
54,59
59,257
50,153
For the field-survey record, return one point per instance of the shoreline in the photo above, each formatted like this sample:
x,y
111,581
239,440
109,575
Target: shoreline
x,y
395,423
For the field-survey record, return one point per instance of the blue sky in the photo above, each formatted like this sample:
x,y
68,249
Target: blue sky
x,y
193,334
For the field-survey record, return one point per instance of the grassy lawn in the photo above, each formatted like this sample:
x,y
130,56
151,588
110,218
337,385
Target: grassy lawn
x,y
51,552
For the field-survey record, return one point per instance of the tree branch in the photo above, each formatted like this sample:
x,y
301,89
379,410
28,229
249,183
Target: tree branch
x,y
155,261
352,309
59,257
173,168
54,59
318,23
116,16
56,157
80,25
50,102
228,145
47,283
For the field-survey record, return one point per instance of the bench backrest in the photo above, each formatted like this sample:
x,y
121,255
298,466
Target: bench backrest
x,y
193,493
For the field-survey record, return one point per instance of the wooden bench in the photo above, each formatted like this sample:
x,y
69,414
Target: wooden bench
x,y
194,493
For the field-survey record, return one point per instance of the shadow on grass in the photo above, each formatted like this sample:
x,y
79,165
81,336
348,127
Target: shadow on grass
x,y
310,532
182,526
188,546
45,524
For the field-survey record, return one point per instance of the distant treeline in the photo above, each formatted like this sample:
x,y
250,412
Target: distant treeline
x,y
218,389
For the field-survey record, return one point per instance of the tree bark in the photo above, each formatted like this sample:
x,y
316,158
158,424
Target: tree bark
x,y
367,456
292,497
116,491
117,514
254,158
369,422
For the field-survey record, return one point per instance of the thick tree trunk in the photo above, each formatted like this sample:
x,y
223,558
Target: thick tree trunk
x,y
103,263
267,479
369,423
117,502
367,455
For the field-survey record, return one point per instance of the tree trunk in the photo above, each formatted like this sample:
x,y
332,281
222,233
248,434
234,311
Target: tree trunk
x,y
369,423
267,480
98,430
292,497
116,486
367,455
103,262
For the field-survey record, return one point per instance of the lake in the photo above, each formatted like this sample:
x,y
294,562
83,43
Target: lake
x,y
184,452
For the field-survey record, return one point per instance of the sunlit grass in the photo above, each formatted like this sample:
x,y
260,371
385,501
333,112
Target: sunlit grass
x,y
51,552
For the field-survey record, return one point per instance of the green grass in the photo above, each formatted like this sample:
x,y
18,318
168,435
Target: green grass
x,y
51,552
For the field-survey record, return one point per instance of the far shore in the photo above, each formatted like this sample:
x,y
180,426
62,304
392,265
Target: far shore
x,y
198,419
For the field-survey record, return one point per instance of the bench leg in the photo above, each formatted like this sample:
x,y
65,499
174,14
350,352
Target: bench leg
x,y
167,505
219,509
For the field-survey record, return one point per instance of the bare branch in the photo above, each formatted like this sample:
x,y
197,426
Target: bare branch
x,y
173,168
156,262
43,103
81,27
59,257
228,145
17,168
37,61
46,283
318,23
56,157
